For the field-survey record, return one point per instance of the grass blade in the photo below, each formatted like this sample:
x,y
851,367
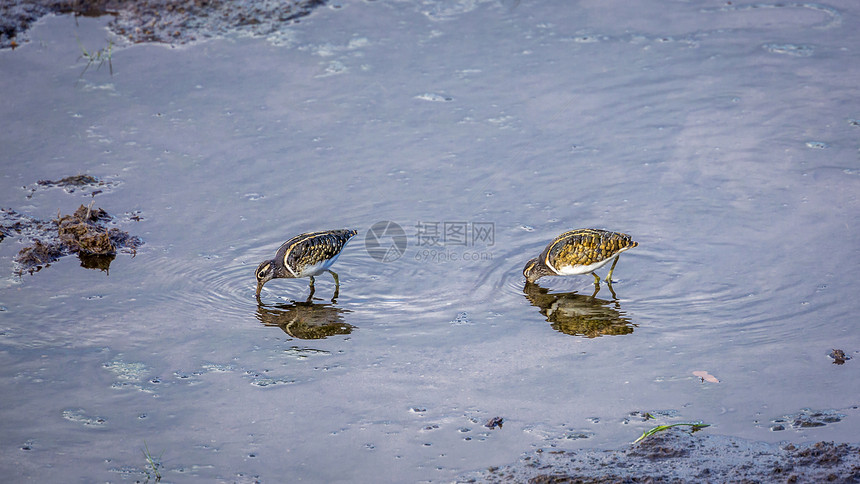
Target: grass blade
x,y
695,426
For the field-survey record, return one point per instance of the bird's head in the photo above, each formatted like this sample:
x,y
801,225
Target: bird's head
x,y
533,270
265,273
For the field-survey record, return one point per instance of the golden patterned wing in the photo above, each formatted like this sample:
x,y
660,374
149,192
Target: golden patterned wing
x,y
584,247
312,249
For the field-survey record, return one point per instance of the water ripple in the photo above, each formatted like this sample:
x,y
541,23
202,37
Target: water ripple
x,y
834,18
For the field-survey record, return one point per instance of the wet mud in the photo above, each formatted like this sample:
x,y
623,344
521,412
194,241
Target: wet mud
x,y
679,456
165,21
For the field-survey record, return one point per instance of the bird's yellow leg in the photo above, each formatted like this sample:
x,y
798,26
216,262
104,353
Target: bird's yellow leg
x,y
336,286
312,288
614,296
609,276
596,279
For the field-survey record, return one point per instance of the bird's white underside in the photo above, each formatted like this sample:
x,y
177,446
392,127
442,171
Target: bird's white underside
x,y
580,269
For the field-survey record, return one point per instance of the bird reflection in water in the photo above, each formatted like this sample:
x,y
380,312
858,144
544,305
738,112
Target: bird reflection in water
x,y
305,320
578,314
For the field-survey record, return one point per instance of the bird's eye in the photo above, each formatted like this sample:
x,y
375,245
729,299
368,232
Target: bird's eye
x,y
261,272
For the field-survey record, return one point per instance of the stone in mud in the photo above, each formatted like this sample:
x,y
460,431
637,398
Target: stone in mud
x,y
494,422
839,357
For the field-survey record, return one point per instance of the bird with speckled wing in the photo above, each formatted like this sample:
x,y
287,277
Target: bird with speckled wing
x,y
305,255
580,251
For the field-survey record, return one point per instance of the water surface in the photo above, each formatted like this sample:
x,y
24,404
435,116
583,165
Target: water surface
x,y
723,137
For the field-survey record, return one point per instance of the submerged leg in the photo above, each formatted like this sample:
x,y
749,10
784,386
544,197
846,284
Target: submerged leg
x,y
336,285
609,284
609,276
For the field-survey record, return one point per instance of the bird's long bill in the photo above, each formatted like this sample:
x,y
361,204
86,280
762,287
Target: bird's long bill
x,y
259,288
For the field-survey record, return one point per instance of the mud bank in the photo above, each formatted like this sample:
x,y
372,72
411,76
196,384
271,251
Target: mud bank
x,y
678,456
166,21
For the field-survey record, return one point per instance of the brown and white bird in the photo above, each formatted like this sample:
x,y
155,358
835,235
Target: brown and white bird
x,y
580,251
305,255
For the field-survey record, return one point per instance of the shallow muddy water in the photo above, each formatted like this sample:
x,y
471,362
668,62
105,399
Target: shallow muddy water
x,y
723,137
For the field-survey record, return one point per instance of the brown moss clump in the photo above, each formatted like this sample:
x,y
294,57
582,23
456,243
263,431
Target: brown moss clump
x,y
81,232
37,255
75,181
84,233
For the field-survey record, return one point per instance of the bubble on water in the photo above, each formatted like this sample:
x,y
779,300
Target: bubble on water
x,y
127,371
796,50
433,97
78,415
461,318
503,121
218,368
333,68
818,145
439,11
267,382
188,377
555,433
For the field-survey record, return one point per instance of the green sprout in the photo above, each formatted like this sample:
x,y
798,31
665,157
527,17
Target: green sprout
x,y
99,56
153,463
695,426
